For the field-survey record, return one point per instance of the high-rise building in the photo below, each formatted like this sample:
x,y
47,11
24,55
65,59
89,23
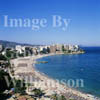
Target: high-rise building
x,y
59,47
52,49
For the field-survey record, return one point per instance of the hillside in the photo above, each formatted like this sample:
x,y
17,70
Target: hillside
x,y
13,44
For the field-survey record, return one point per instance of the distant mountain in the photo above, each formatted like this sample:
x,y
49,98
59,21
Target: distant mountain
x,y
13,44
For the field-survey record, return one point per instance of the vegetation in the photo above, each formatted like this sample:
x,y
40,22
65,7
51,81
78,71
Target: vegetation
x,y
62,97
11,54
2,57
28,51
21,54
54,97
4,85
57,97
48,50
3,81
38,93
63,49
19,87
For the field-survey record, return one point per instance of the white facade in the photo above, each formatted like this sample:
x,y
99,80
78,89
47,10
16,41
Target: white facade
x,y
3,53
59,47
23,48
66,47
41,48
76,46
1,47
71,47
19,48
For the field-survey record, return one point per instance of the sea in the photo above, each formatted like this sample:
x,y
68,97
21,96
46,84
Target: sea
x,y
74,67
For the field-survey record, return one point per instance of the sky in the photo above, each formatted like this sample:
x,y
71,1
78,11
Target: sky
x,y
83,29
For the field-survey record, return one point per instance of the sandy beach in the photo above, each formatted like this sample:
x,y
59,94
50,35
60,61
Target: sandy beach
x,y
26,67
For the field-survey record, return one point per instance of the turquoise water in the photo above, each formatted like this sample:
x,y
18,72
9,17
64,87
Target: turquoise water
x,y
83,66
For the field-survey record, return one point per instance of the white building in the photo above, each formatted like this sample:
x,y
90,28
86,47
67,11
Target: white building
x,y
59,47
35,50
66,47
23,48
76,47
1,47
19,48
71,47
41,48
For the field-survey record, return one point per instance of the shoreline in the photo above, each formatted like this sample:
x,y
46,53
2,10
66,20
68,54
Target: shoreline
x,y
61,89
79,93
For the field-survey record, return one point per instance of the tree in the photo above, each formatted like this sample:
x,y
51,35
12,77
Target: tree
x,y
38,92
28,85
57,97
48,49
54,97
3,81
63,49
2,57
11,54
62,97
20,87
69,51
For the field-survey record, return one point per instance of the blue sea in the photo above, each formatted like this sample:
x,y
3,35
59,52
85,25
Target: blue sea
x,y
79,66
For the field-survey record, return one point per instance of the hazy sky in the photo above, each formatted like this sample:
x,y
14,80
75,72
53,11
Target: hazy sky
x,y
84,27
